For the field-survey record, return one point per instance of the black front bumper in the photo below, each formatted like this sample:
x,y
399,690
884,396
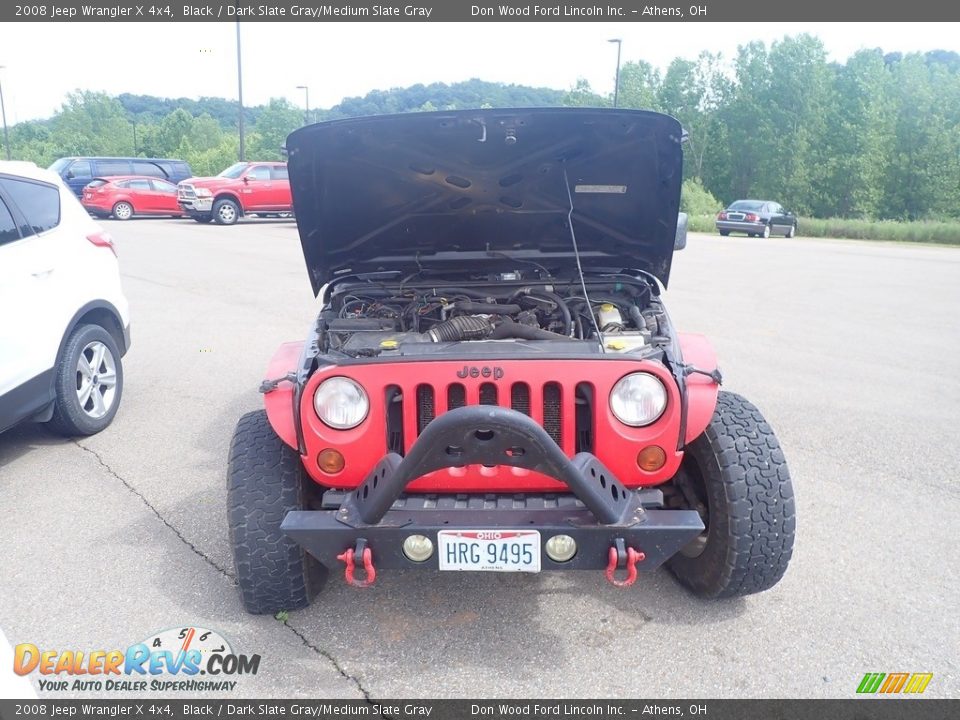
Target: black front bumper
x,y
597,512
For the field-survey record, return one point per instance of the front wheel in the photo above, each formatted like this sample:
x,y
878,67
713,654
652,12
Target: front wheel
x,y
88,383
736,477
265,481
226,212
792,231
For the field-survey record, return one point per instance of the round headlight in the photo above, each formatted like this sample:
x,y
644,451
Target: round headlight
x,y
638,399
341,403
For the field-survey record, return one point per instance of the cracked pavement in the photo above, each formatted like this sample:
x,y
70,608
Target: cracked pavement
x,y
850,350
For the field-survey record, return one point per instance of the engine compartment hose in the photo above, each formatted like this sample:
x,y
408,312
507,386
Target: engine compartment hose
x,y
462,327
509,329
559,302
480,308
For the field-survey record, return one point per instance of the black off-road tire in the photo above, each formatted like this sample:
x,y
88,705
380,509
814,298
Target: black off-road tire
x,y
740,477
265,481
69,418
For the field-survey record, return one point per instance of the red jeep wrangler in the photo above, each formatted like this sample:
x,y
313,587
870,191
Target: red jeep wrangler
x,y
493,382
244,188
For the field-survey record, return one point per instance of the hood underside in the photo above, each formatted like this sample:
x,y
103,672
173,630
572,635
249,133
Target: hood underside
x,y
474,189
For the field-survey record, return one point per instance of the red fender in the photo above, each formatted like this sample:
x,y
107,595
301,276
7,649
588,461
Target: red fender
x,y
701,390
279,402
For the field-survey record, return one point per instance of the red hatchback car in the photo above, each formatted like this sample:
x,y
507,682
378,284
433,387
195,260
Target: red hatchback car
x,y
129,195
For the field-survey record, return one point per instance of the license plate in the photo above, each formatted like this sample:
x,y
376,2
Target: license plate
x,y
489,550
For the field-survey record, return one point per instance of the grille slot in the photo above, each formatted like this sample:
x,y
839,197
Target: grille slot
x,y
520,398
552,395
456,396
583,399
393,401
426,409
488,394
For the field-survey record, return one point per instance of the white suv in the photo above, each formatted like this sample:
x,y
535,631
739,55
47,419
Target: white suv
x,y
64,321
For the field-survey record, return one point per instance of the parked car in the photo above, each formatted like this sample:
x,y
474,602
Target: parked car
x,y
245,188
124,197
757,218
492,381
66,324
77,172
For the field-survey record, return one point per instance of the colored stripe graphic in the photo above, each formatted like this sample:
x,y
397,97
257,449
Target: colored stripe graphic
x,y
894,682
913,683
918,682
870,682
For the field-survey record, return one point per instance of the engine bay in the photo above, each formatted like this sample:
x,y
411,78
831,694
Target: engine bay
x,y
616,314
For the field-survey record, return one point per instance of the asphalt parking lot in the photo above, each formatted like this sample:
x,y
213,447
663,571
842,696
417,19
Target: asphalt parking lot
x,y
851,349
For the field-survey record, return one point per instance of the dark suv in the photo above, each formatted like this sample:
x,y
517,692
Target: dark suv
x,y
76,172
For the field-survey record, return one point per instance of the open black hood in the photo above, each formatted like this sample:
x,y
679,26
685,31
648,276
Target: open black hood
x,y
460,190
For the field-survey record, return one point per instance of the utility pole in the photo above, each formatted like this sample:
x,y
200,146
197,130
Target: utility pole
x,y
616,87
240,91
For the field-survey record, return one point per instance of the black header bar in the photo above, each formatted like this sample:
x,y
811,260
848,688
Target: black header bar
x,y
479,11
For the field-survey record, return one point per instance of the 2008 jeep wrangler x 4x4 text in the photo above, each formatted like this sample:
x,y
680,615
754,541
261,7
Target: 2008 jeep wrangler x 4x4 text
x,y
493,382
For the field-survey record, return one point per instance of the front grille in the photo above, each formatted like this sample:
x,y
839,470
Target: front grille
x,y
562,412
186,192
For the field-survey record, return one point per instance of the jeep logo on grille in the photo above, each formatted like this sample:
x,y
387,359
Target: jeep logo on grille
x,y
473,371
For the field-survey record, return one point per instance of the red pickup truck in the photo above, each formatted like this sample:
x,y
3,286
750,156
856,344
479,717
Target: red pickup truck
x,y
244,188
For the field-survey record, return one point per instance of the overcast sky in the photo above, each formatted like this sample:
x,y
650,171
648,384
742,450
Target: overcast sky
x,y
44,61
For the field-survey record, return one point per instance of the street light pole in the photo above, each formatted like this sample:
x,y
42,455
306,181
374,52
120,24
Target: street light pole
x,y
3,111
240,91
306,113
616,87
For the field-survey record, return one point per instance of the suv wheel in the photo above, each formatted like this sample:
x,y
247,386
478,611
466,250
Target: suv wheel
x,y
265,481
88,383
226,212
736,477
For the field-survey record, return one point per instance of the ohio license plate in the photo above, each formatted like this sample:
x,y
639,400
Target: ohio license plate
x,y
489,550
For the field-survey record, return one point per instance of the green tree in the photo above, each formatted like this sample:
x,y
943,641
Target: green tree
x,y
277,120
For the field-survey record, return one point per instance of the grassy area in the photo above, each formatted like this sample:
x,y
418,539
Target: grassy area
x,y
920,231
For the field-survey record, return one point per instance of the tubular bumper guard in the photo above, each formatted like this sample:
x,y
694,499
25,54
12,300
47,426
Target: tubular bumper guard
x,y
602,512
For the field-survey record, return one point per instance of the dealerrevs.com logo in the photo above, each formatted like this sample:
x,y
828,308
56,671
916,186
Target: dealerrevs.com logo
x,y
169,660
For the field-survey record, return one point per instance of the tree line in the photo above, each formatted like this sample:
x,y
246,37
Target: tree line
x,y
875,137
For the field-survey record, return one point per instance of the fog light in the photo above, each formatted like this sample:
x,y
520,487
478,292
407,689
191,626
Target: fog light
x,y
561,548
418,547
330,461
651,458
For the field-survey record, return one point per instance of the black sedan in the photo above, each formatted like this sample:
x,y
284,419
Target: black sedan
x,y
757,217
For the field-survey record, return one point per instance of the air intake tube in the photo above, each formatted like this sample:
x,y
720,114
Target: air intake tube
x,y
462,327
473,327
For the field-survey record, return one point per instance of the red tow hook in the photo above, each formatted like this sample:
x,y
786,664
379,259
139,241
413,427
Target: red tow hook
x,y
627,557
347,557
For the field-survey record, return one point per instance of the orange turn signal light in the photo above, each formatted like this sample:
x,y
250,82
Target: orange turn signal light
x,y
330,461
651,458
